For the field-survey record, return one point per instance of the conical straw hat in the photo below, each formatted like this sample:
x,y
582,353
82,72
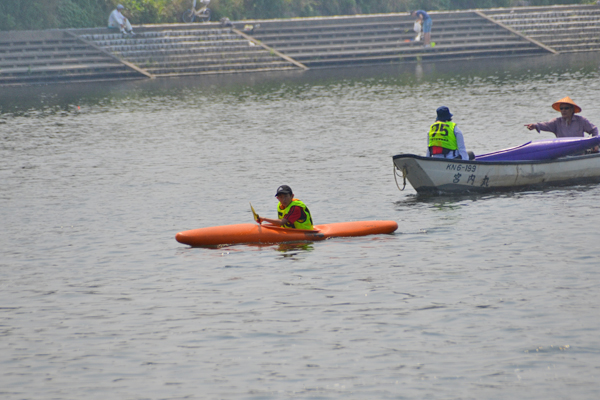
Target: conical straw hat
x,y
566,100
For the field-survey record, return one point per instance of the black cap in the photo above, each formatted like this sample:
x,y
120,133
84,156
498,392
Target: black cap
x,y
443,114
284,189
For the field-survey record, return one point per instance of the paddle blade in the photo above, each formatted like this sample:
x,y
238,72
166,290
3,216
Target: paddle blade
x,y
254,214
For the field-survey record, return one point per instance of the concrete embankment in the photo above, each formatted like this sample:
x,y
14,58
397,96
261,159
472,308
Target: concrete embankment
x,y
35,57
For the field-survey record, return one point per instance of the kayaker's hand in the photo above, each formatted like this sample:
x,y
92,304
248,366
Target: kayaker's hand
x,y
530,126
259,220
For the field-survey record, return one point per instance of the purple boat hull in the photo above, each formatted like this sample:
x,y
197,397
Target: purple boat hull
x,y
542,150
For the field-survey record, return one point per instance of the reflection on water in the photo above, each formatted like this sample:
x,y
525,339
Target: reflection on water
x,y
475,296
291,249
491,75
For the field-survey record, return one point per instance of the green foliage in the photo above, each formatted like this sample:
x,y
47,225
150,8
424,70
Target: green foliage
x,y
8,20
232,9
144,11
80,14
48,14
35,14
258,9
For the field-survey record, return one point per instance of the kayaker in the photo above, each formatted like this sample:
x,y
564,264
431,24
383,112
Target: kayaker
x,y
568,124
291,212
445,139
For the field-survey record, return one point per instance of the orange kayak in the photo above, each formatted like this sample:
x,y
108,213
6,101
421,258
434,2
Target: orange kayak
x,y
254,233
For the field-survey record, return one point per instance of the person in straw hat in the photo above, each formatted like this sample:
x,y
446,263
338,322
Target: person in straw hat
x,y
568,124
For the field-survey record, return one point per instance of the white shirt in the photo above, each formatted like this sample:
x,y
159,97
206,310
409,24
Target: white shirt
x,y
116,19
460,142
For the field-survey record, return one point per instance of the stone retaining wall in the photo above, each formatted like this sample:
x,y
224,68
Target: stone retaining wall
x,y
34,57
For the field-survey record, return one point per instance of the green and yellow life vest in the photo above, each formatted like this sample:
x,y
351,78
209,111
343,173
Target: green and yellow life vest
x,y
441,134
305,221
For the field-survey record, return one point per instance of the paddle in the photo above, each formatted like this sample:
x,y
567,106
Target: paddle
x,y
254,214
256,218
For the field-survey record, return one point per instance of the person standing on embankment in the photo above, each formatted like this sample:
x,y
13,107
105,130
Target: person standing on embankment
x,y
425,20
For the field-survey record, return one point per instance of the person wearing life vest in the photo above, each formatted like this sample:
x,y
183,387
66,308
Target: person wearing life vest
x,y
445,139
291,212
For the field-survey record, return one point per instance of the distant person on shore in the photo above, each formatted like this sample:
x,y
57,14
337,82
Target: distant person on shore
x,y
291,212
445,139
568,124
425,20
116,20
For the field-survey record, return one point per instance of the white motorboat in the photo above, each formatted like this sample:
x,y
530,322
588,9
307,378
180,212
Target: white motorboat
x,y
431,175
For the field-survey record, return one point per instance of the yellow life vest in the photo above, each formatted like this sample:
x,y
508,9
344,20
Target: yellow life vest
x,y
441,134
305,221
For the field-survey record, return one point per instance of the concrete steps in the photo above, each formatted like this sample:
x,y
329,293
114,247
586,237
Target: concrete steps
x,y
329,42
323,60
54,56
198,50
269,45
563,28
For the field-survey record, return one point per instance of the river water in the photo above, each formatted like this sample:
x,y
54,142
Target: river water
x,y
490,296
